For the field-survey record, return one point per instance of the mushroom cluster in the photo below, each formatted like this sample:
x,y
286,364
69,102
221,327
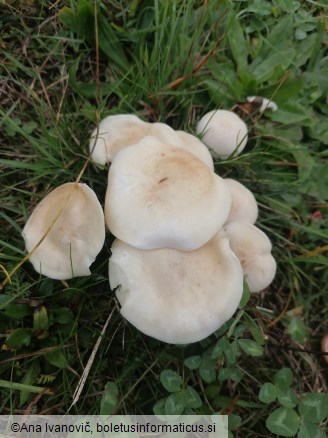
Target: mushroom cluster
x,y
185,237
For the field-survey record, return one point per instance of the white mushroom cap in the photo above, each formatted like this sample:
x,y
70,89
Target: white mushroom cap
x,y
253,249
164,133
74,240
260,273
193,145
244,205
160,196
176,296
266,103
224,132
119,131
114,133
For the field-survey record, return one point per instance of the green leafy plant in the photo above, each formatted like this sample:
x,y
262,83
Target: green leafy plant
x,y
182,399
301,417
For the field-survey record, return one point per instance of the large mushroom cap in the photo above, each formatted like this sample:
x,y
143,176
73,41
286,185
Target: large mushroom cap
x,y
160,196
253,249
74,240
244,205
176,296
224,132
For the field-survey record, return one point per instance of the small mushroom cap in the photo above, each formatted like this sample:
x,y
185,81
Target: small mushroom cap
x,y
224,132
244,205
253,249
161,196
176,296
193,145
114,133
260,273
164,133
266,103
121,130
75,238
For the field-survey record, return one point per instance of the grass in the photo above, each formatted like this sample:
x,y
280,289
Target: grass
x,y
171,62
